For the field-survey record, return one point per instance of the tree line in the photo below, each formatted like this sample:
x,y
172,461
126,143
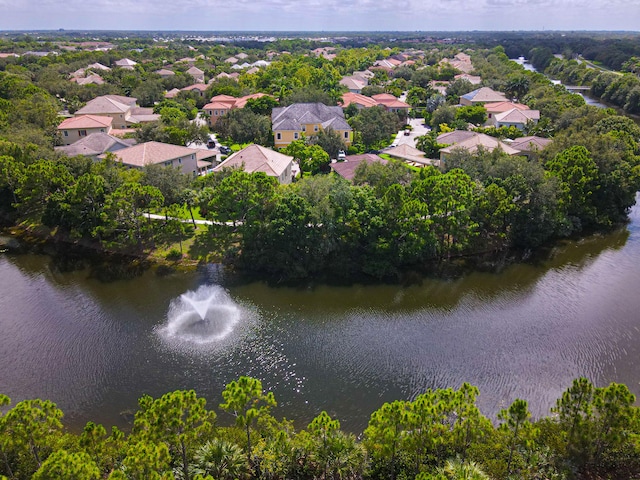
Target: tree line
x,y
441,434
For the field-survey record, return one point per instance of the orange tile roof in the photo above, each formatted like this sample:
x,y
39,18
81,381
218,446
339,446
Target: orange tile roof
x,y
86,121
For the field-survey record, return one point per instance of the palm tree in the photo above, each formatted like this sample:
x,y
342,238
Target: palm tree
x,y
459,470
220,459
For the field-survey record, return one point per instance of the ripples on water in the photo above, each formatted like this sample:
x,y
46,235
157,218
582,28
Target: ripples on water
x,y
95,348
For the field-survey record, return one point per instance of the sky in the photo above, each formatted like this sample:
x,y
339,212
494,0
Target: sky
x,y
320,15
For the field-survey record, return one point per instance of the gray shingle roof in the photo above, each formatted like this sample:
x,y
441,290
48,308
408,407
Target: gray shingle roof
x,y
297,114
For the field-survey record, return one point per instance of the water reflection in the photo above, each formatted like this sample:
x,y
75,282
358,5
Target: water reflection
x,y
526,331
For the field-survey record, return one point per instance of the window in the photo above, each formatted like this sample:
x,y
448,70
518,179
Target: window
x,y
82,133
66,134
180,161
278,136
102,130
346,134
304,128
295,135
315,128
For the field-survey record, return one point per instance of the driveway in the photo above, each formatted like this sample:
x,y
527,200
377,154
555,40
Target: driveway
x,y
419,129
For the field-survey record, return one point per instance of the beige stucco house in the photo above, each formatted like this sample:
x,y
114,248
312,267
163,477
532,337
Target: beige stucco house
x,y
157,153
76,128
256,158
123,110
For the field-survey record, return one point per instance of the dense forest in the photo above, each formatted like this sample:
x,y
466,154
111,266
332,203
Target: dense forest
x,y
591,433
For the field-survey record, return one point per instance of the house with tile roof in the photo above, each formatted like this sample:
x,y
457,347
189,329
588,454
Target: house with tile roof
x,y
475,143
157,153
88,80
94,145
199,88
530,146
384,100
481,96
495,108
347,169
357,99
472,79
174,92
98,66
232,76
256,158
125,63
76,128
123,110
391,103
354,84
164,73
517,118
221,104
307,119
196,73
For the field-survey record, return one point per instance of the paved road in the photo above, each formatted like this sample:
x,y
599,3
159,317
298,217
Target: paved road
x,y
419,129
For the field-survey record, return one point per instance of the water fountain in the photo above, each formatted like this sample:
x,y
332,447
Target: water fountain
x,y
203,316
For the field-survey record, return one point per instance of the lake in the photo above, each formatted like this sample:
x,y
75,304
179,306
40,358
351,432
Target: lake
x,y
526,331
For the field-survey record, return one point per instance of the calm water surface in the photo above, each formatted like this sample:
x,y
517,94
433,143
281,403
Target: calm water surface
x,y
525,332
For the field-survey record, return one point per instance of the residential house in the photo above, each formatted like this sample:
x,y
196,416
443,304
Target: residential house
x,y
307,119
241,56
164,73
495,108
479,141
88,80
472,79
233,76
75,128
221,104
461,61
385,100
232,60
123,110
157,153
197,74
517,118
481,96
354,84
347,169
359,100
199,88
172,93
125,63
457,136
391,103
98,66
256,158
531,146
94,145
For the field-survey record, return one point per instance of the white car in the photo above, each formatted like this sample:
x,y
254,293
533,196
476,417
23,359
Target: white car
x,y
341,155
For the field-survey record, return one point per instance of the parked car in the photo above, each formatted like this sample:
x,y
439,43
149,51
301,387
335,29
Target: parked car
x,y
211,143
224,150
407,131
341,155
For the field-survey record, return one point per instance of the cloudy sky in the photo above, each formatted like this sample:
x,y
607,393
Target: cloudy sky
x,y
319,15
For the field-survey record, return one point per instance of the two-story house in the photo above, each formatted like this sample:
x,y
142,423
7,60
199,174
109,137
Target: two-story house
x,y
123,110
308,119
221,104
76,128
